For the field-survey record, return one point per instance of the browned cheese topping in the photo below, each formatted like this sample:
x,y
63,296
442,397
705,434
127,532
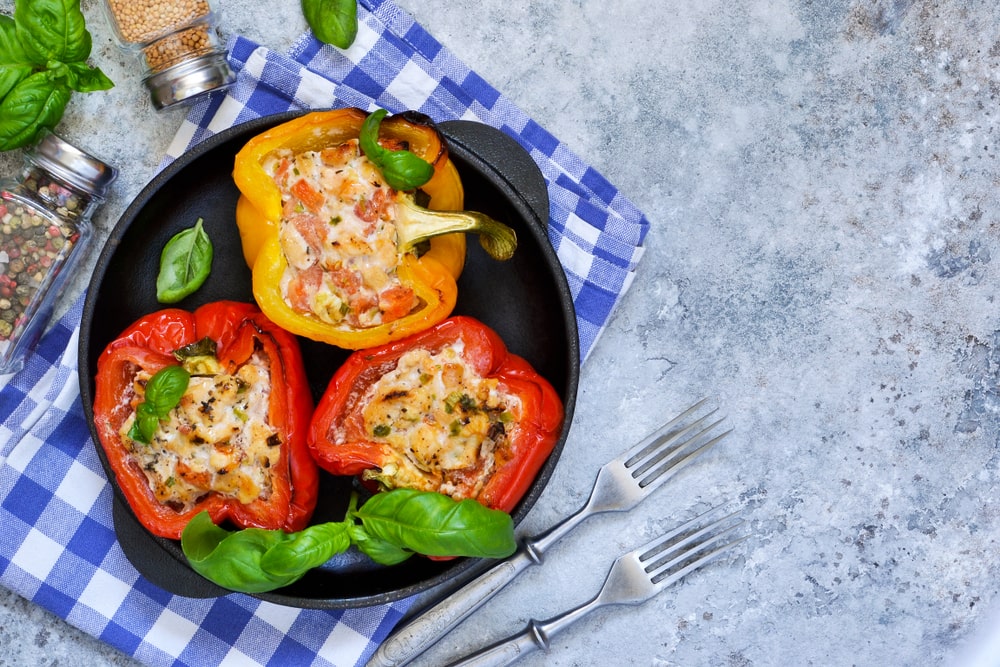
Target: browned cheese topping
x,y
218,439
445,423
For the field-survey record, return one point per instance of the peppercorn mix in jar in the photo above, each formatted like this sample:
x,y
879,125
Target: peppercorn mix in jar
x,y
44,228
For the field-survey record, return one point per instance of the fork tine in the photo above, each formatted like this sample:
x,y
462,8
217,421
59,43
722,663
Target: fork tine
x,y
662,440
659,476
663,446
665,579
659,436
669,556
678,546
658,451
656,544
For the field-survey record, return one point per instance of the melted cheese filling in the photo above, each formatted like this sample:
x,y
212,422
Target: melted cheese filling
x,y
338,237
445,426
216,440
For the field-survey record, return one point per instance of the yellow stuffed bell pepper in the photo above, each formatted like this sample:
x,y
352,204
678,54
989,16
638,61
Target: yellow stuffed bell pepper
x,y
338,254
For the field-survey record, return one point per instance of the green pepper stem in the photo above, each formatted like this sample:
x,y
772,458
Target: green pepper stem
x,y
415,224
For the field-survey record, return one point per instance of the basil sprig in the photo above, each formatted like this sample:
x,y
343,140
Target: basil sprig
x,y
389,528
185,263
402,170
163,392
332,21
43,50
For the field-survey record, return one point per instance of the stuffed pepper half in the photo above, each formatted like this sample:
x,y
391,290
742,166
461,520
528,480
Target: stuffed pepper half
x,y
447,410
208,411
340,250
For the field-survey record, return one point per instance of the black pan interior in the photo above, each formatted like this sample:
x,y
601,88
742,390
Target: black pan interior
x,y
526,300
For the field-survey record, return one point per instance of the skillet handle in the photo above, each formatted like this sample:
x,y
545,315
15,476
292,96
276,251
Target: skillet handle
x,y
520,175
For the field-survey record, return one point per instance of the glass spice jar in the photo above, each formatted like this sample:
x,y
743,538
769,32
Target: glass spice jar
x,y
44,230
178,43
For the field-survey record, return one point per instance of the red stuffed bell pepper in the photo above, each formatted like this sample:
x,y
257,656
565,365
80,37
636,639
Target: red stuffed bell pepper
x,y
234,443
448,409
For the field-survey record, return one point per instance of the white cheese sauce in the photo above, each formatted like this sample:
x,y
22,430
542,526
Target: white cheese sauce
x,y
338,237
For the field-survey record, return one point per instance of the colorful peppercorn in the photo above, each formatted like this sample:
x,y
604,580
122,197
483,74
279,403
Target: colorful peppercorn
x,y
44,226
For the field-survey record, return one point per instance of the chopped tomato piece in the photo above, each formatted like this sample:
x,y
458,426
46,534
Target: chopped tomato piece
x,y
308,195
396,302
372,208
303,286
311,229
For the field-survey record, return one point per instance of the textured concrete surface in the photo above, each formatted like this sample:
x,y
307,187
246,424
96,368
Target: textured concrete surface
x,y
822,182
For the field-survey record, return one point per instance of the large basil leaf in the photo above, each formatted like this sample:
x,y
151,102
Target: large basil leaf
x,y
332,21
401,169
185,262
86,79
233,559
394,525
254,560
52,30
436,525
306,549
14,62
34,103
380,551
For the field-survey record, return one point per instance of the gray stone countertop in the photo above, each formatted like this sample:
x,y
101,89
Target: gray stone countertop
x,y
821,179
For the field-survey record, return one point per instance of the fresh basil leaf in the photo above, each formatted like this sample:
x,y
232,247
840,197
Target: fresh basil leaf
x,y
185,263
52,30
33,104
434,524
306,549
165,389
86,79
232,559
14,62
394,525
145,424
332,21
402,170
380,551
254,560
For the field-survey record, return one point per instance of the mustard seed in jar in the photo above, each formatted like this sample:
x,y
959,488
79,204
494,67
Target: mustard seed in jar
x,y
177,41
142,21
177,47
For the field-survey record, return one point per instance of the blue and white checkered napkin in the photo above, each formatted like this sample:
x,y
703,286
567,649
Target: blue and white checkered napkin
x,y
58,547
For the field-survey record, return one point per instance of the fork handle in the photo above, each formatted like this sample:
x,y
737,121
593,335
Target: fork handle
x,y
536,635
424,631
409,641
507,651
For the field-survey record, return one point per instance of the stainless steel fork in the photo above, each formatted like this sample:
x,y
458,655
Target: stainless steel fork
x,y
621,484
634,578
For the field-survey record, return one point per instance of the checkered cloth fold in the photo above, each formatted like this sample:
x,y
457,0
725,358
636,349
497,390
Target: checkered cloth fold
x,y
58,546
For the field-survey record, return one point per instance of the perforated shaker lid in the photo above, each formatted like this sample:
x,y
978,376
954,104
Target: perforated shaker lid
x,y
189,79
79,168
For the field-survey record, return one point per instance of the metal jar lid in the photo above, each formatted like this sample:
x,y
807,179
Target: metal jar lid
x,y
189,79
67,162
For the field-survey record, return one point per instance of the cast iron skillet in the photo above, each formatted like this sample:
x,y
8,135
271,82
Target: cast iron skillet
x,y
526,300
